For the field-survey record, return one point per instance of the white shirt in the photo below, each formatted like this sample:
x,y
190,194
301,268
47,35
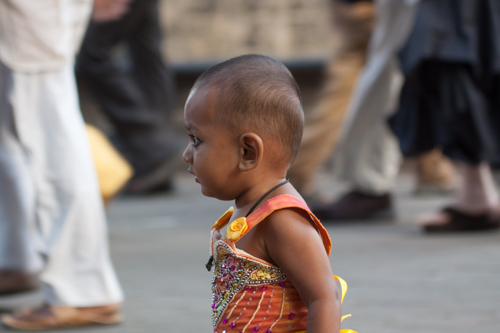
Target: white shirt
x,y
41,35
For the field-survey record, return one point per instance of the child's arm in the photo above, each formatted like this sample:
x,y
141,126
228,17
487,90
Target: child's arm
x,y
297,248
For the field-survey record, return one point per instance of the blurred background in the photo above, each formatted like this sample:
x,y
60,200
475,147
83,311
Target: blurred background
x,y
197,34
400,278
201,32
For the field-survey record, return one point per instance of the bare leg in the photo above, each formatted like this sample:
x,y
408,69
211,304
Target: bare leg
x,y
476,195
435,173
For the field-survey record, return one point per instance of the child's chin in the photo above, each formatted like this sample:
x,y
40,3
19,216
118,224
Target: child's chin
x,y
211,194
207,192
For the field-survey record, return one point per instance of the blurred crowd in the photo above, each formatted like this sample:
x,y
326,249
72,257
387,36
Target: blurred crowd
x,y
409,78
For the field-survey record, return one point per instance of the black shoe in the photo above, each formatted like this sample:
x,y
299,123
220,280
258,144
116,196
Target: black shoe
x,y
355,205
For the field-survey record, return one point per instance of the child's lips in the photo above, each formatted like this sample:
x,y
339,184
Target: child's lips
x,y
195,178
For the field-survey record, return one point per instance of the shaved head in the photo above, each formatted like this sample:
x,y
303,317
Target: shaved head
x,y
258,93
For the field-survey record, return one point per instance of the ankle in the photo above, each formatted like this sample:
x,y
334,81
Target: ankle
x,y
477,192
101,308
472,205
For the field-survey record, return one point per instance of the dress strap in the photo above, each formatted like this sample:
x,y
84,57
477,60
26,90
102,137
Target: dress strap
x,y
282,202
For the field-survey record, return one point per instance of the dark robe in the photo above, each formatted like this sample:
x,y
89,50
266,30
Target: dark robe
x,y
451,95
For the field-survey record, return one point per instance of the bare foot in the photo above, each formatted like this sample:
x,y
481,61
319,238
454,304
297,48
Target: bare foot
x,y
440,218
453,220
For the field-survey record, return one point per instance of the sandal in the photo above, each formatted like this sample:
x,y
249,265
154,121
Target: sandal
x,y
460,221
47,317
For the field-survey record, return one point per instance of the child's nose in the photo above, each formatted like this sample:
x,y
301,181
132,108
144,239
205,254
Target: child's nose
x,y
187,155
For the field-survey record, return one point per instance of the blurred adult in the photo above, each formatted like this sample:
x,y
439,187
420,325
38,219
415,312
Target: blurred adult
x,y
366,155
52,220
352,26
137,100
368,100
451,100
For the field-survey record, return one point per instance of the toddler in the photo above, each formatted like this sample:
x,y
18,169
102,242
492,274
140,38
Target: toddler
x,y
271,271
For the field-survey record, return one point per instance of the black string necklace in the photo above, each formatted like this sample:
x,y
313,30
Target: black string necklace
x,y
211,260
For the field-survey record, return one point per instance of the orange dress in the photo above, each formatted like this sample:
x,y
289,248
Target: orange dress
x,y
250,294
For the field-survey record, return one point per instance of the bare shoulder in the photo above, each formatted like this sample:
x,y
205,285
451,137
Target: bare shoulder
x,y
289,223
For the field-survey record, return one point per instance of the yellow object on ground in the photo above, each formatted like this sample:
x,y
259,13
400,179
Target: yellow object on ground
x,y
113,171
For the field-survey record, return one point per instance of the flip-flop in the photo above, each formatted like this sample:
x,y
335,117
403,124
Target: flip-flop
x,y
47,317
460,221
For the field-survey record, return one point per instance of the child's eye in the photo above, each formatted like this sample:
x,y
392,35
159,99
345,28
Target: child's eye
x,y
196,141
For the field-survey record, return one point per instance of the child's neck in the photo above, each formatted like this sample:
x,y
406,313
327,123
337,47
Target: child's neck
x,y
248,198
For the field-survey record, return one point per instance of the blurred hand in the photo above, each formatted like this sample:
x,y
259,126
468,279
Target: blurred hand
x,y
110,10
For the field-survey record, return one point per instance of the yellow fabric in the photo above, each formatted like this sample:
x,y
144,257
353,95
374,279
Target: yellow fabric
x,y
113,171
224,219
343,287
344,317
237,229
343,290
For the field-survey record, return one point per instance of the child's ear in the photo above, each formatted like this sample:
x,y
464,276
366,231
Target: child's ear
x,y
251,151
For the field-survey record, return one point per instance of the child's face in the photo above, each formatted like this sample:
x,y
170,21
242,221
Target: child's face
x,y
212,154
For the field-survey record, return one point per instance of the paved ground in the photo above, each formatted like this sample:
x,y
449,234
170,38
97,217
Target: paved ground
x,y
400,280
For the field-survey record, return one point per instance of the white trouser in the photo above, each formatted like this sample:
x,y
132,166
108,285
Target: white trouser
x,y
51,214
368,155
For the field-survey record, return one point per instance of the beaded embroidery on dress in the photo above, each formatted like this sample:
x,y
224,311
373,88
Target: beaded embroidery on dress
x,y
232,275
249,294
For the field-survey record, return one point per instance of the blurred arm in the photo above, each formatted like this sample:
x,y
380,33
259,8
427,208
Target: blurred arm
x,y
109,10
296,247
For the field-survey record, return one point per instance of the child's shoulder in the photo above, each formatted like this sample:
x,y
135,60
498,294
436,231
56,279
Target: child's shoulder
x,y
283,208
291,220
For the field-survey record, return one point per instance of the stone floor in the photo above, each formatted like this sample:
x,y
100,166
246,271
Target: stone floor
x,y
400,280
